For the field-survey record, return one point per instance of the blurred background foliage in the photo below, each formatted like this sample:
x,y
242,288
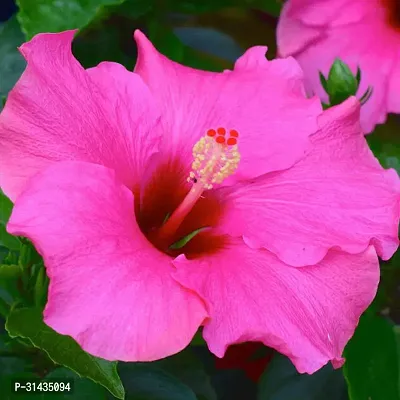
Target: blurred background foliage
x,y
205,34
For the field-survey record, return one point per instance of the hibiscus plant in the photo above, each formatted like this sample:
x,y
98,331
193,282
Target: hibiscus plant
x,y
186,214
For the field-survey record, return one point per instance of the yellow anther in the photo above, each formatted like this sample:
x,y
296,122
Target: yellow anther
x,y
215,157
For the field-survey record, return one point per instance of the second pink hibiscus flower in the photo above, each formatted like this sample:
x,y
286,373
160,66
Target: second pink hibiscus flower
x,y
364,33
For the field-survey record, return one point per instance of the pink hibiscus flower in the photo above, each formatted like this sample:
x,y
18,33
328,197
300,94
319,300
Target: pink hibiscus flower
x,y
363,33
123,165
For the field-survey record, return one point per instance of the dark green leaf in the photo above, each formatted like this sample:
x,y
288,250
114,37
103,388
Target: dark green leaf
x,y
133,9
166,41
83,389
371,368
186,367
180,243
281,381
4,253
4,308
397,333
9,278
198,7
5,206
272,7
28,255
58,15
11,367
40,288
385,143
28,323
233,384
198,339
12,63
7,240
147,382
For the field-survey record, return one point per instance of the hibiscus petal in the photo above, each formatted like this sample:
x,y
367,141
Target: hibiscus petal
x,y
308,314
254,99
292,34
393,99
327,12
58,111
110,289
338,195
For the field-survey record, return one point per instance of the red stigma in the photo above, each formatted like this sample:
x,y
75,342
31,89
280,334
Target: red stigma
x,y
221,131
231,141
220,139
211,132
234,133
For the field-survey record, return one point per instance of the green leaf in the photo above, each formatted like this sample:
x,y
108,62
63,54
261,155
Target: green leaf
x,y
81,389
186,367
147,382
198,339
133,9
40,288
198,7
371,368
11,367
182,242
58,15
281,381
12,63
109,36
385,143
341,83
166,41
28,255
6,205
233,384
9,279
7,240
397,333
272,7
28,323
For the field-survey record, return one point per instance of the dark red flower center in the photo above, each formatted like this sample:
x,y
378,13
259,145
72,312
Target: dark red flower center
x,y
175,201
161,195
251,357
393,12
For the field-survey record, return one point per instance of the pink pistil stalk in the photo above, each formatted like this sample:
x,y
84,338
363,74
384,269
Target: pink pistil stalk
x,y
215,158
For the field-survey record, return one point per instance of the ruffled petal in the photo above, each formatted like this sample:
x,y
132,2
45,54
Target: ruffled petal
x,y
58,111
308,314
337,196
253,99
110,289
